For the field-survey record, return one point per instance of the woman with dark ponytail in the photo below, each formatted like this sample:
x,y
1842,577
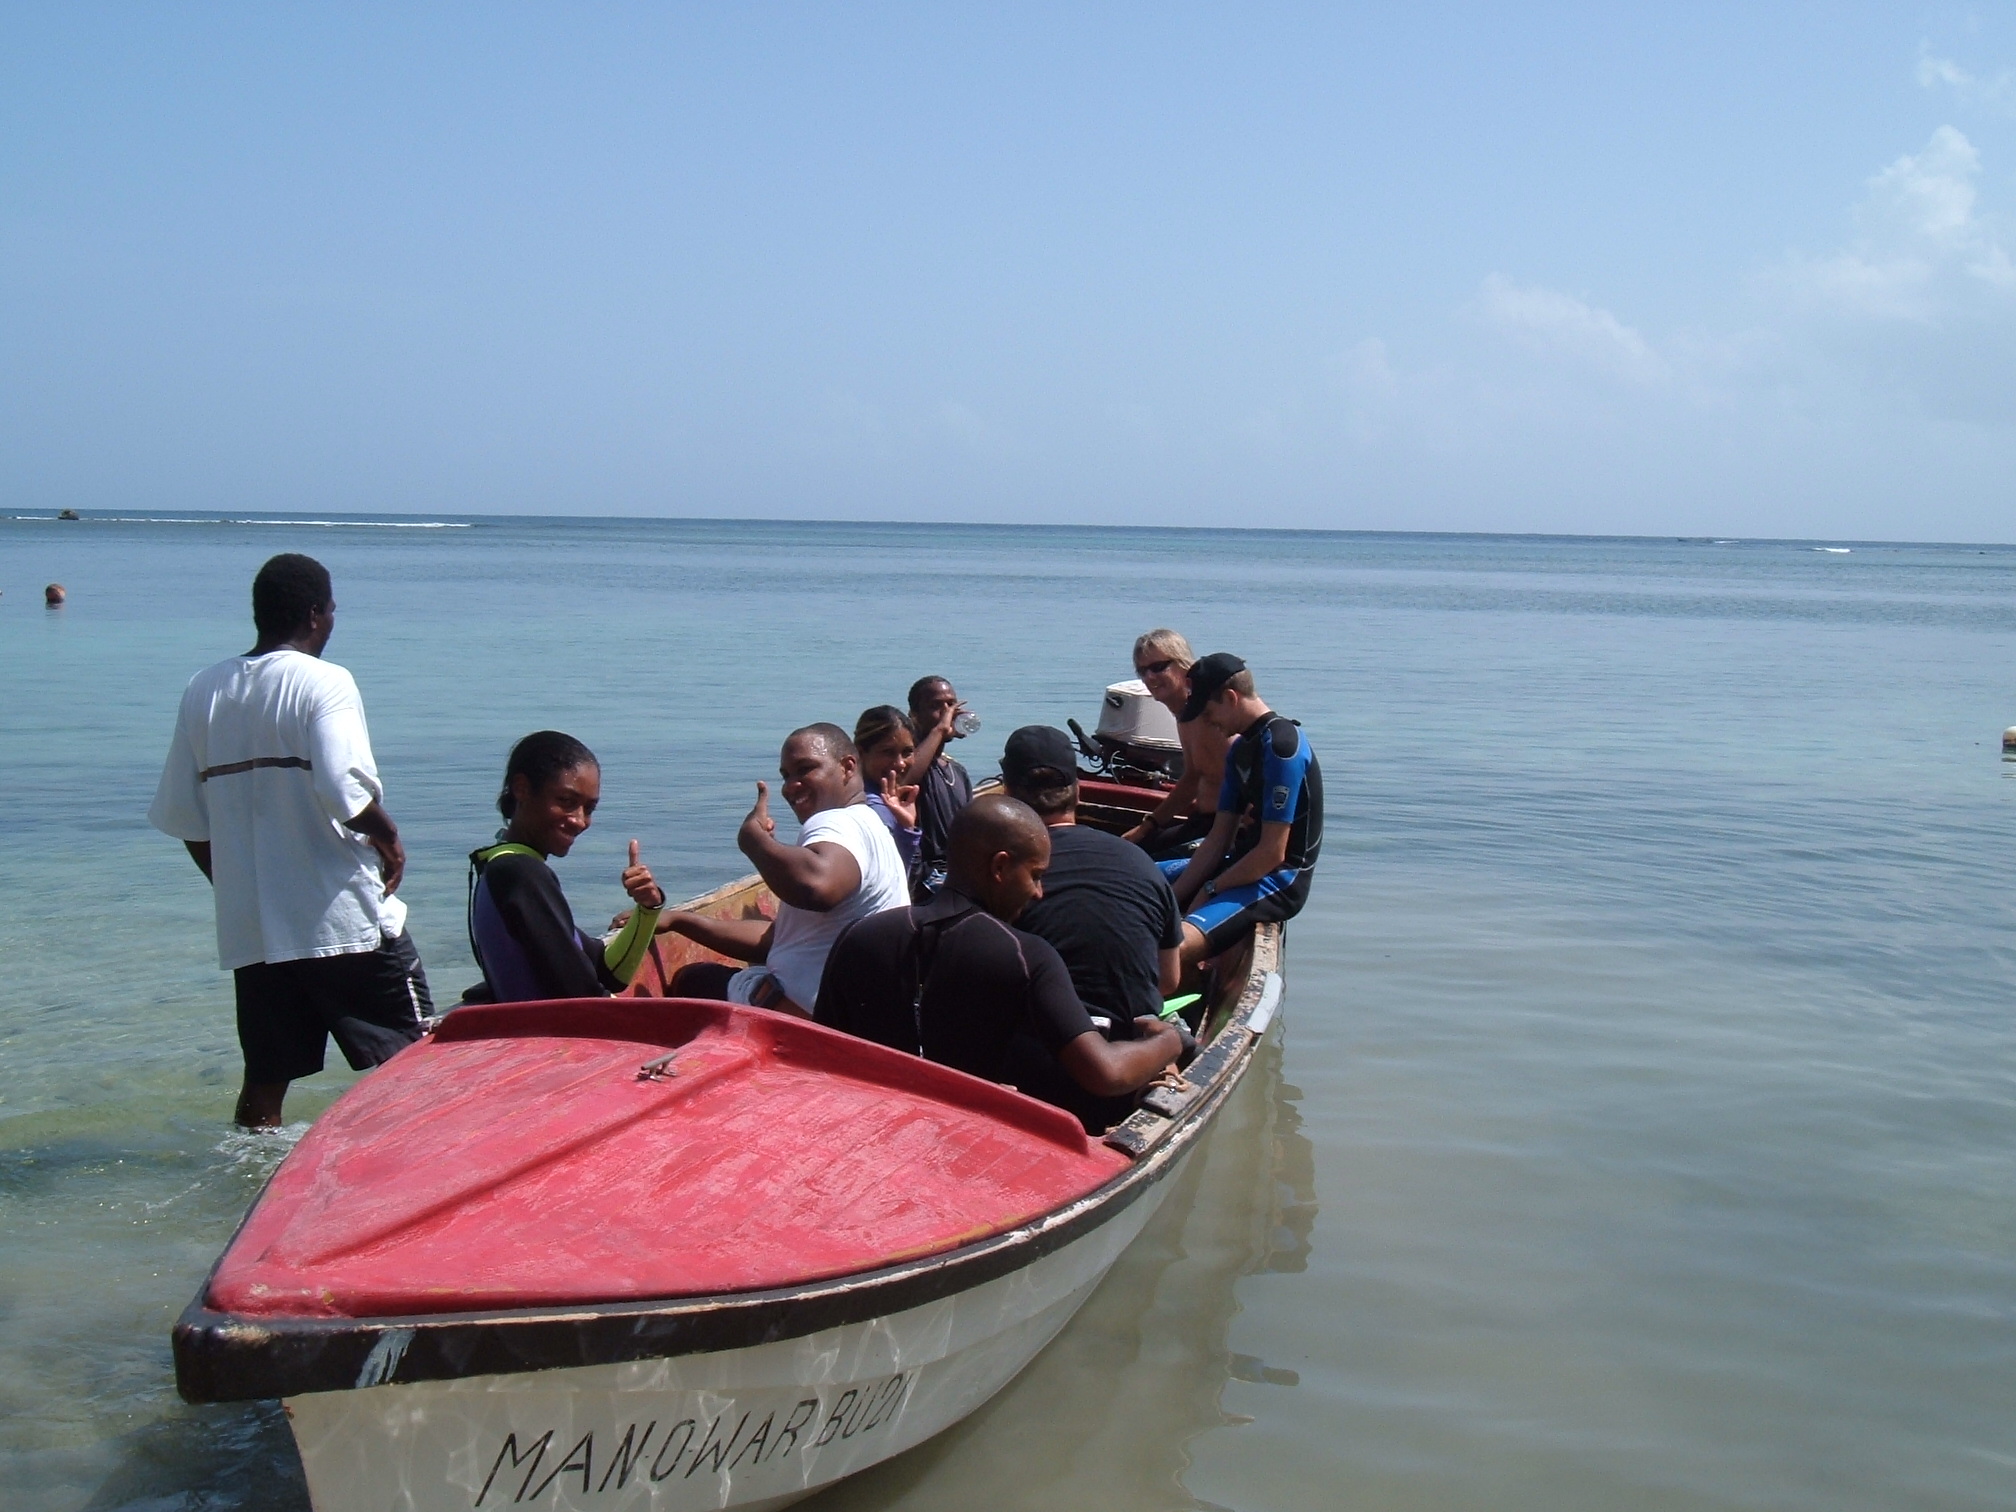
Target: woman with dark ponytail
x,y
884,737
520,927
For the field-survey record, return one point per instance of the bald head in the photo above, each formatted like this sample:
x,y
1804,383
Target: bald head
x,y
996,854
991,824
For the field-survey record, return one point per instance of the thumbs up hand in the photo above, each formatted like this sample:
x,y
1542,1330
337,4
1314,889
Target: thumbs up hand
x,y
638,882
759,826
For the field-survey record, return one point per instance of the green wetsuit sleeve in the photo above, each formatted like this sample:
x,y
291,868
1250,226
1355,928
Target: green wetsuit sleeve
x,y
624,951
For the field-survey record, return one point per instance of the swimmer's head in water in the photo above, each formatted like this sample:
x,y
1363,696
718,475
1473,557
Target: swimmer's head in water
x,y
552,784
287,594
821,770
885,740
997,853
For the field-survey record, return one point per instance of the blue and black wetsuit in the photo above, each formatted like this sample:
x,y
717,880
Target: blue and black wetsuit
x,y
1271,777
525,938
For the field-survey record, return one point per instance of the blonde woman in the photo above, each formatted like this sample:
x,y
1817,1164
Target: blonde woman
x,y
1162,660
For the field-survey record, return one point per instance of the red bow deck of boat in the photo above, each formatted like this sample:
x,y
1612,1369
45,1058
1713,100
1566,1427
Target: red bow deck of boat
x,y
764,1153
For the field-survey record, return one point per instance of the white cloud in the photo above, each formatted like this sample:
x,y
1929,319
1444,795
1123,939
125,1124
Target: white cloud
x,y
1561,325
1924,250
1931,195
1900,341
1998,93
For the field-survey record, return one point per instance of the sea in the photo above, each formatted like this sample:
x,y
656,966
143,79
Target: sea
x,y
1639,1131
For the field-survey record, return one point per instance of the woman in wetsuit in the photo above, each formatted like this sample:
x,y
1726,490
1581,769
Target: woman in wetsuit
x,y
520,927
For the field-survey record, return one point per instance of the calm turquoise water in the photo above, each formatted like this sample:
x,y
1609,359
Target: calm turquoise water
x,y
1644,1130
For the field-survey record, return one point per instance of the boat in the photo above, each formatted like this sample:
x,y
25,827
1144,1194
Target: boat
x,y
648,1252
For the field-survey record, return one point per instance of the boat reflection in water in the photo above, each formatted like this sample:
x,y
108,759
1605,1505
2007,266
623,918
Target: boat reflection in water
x,y
1106,1416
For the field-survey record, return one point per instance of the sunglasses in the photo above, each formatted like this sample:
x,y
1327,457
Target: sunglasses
x,y
1154,669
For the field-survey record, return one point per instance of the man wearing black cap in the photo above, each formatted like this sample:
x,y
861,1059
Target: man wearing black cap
x,y
1256,864
1105,906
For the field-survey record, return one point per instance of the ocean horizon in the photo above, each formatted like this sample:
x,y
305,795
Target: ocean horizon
x,y
442,520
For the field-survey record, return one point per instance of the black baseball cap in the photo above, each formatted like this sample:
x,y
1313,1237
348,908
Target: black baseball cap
x,y
1207,677
1038,748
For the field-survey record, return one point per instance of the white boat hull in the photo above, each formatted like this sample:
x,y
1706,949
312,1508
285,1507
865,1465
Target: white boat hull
x,y
744,1428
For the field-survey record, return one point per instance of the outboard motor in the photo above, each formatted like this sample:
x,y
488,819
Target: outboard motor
x,y
1136,740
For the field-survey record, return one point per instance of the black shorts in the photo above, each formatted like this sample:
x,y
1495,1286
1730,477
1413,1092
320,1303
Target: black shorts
x,y
1178,840
702,979
371,1000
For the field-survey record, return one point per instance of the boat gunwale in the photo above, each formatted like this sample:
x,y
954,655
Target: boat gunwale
x,y
223,1356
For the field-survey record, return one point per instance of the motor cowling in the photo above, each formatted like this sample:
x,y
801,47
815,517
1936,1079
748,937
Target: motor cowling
x,y
1130,715
1138,733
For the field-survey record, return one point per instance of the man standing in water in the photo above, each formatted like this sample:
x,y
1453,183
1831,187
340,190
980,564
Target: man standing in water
x,y
271,785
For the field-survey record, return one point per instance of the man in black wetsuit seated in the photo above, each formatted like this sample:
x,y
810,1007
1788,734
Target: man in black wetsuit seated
x,y
1106,907
521,930
953,980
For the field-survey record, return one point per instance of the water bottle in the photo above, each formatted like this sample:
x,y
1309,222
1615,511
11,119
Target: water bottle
x,y
964,724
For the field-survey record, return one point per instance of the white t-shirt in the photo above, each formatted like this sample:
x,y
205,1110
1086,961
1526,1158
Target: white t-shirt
x,y
270,756
799,944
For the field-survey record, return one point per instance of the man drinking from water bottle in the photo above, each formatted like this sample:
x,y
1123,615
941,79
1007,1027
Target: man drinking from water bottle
x,y
943,788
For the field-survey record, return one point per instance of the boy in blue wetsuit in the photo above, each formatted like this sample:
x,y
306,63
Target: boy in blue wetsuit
x,y
1256,864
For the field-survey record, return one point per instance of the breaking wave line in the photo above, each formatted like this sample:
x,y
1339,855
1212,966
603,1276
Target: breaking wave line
x,y
223,520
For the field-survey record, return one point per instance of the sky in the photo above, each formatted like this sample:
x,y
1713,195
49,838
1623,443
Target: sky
x,y
1741,269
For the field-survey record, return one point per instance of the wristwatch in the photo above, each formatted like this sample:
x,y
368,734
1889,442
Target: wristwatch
x,y
1211,888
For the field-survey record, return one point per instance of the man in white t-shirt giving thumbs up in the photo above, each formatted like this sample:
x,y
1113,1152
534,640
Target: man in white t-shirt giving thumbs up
x,y
844,867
